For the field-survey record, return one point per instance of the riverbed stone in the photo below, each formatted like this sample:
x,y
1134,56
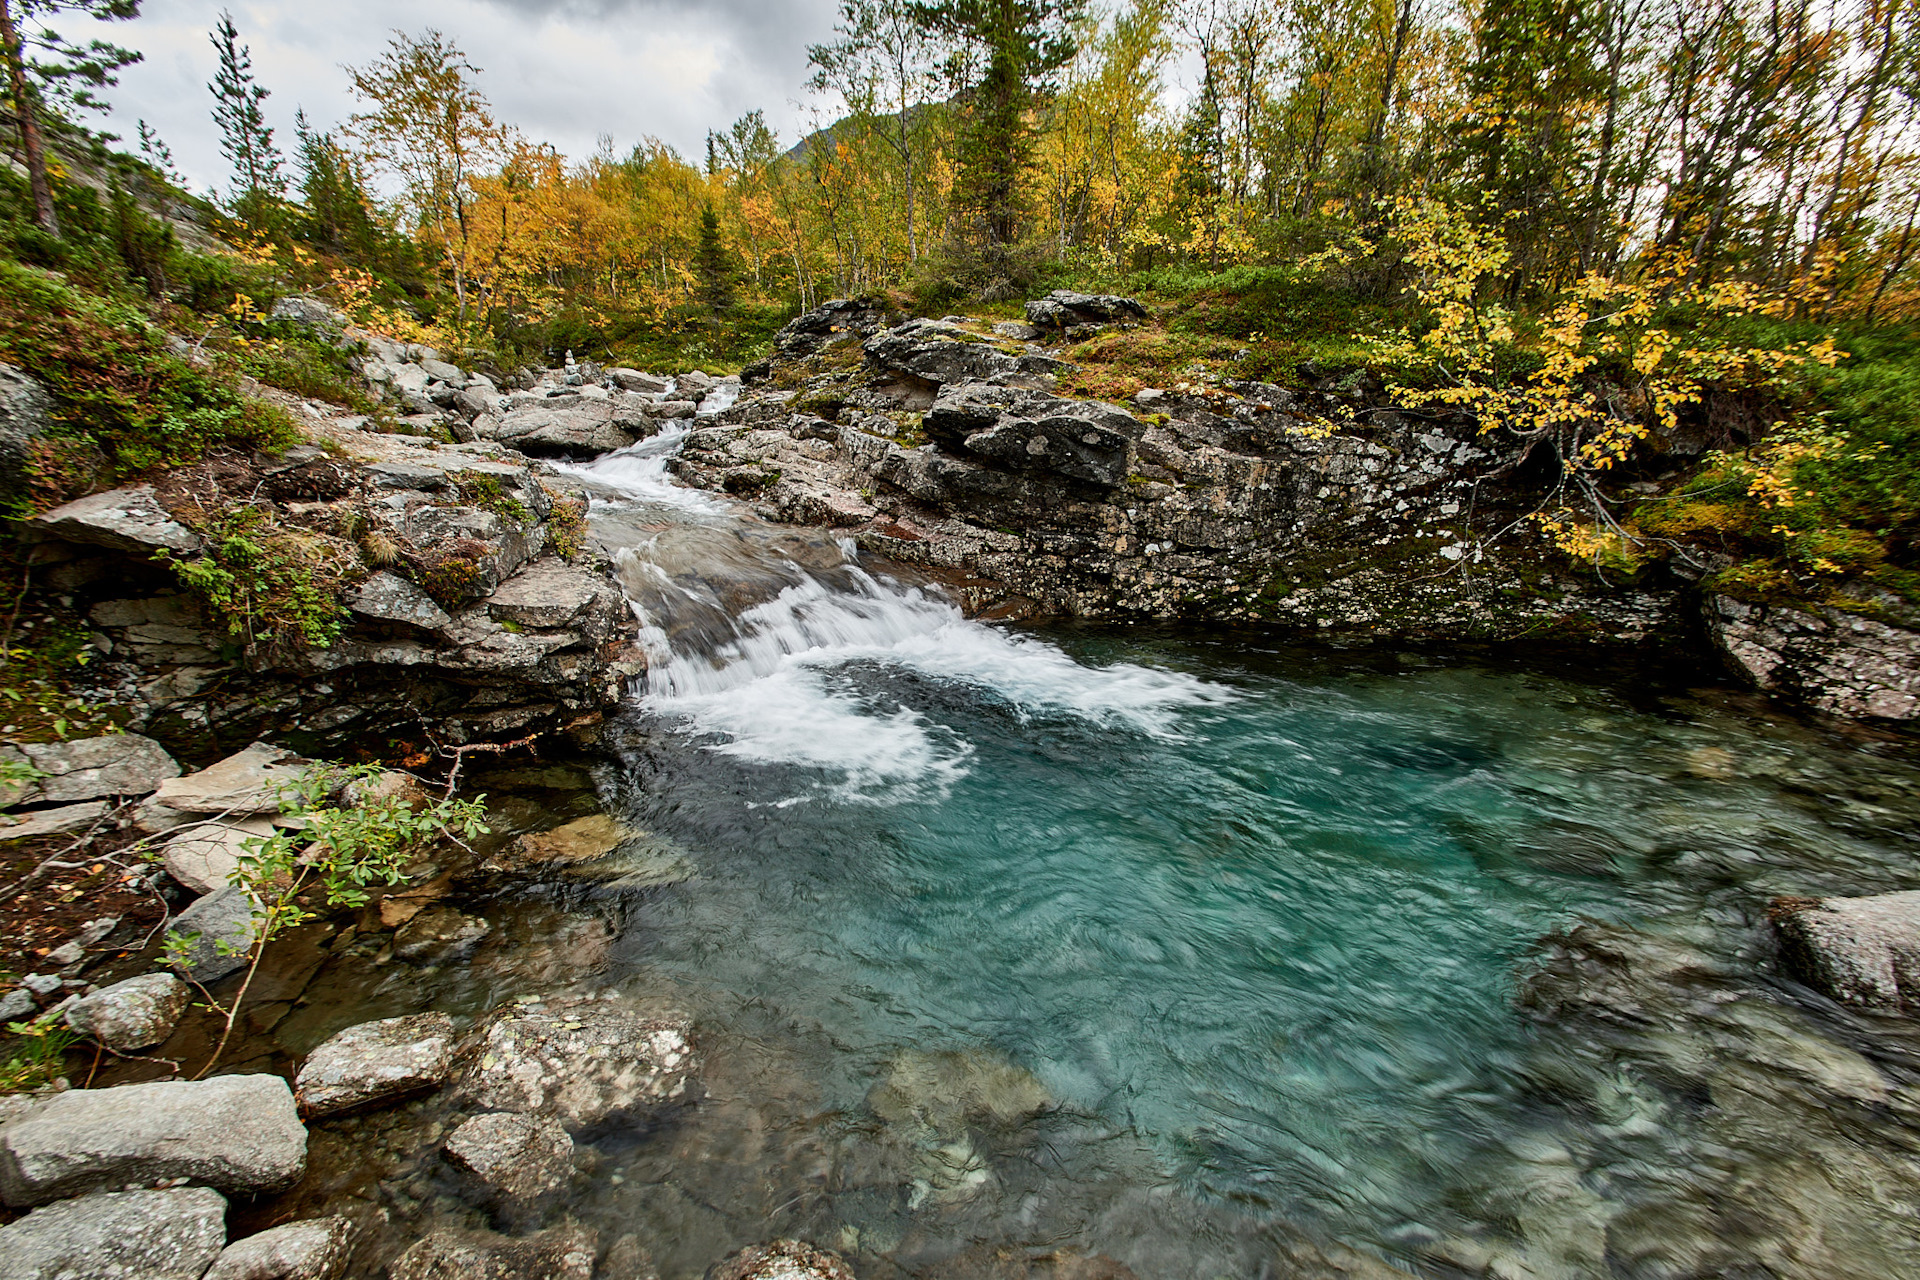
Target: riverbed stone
x,y
544,432
246,782
376,1062
581,1060
1861,951
129,519
581,840
782,1260
220,929
126,1235
234,1133
315,1249
136,1014
635,380
439,934
205,856
519,1159
113,764
561,1253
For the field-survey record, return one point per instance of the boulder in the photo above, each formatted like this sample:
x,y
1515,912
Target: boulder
x,y
561,1253
581,840
233,1133
376,1062
840,320
132,1015
782,1260
409,378
518,1159
316,1249
388,597
673,410
114,764
1063,308
1830,659
580,1060
634,380
55,822
548,593
204,856
543,432
1084,440
246,782
311,315
130,520
26,413
1861,951
224,916
441,371
440,934
125,1235
937,353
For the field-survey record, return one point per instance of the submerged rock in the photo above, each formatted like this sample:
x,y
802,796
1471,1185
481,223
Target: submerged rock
x,y
581,840
233,1133
376,1062
316,1249
782,1260
439,934
125,1235
562,1253
580,1060
136,1014
1861,951
518,1159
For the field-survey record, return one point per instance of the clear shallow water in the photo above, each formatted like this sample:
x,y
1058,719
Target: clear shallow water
x,y
1184,953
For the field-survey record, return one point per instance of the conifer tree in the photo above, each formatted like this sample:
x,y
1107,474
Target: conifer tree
x,y
712,265
41,63
245,138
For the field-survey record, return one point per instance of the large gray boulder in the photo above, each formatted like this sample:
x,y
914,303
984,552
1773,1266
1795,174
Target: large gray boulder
x,y
518,1159
114,764
1064,308
129,519
125,1235
219,930
311,315
562,1253
26,414
1861,951
937,353
548,594
315,1249
376,1062
782,1260
136,1014
543,432
580,1060
247,782
234,1133
1083,440
635,380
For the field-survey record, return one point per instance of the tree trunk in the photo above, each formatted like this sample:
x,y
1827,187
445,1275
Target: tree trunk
x,y
24,111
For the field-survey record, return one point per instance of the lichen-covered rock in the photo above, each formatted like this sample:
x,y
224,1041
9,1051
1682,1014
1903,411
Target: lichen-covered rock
x,y
124,1235
1861,951
205,855
551,594
136,1014
561,1253
1063,308
580,1060
390,598
114,764
315,1249
1838,662
233,1133
518,1159
376,1062
1031,431
130,519
782,1260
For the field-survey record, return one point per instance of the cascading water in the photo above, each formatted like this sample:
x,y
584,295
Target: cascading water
x,y
1185,952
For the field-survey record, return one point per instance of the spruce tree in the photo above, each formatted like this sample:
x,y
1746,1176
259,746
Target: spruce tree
x,y
245,139
713,265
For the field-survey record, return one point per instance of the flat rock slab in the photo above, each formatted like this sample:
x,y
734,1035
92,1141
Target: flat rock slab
x,y
126,1235
562,1253
316,1249
130,519
782,1260
581,1060
1861,951
204,856
233,1133
375,1062
136,1014
219,930
546,594
517,1158
114,764
247,782
63,821
388,597
581,840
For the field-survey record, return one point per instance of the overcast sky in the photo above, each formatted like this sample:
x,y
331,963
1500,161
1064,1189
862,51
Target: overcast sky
x,y
564,71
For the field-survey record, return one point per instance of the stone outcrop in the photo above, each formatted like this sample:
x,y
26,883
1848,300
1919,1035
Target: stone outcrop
x,y
1064,309
580,1060
130,520
232,1133
376,1062
126,1235
316,1249
26,414
1842,663
1861,951
131,1015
